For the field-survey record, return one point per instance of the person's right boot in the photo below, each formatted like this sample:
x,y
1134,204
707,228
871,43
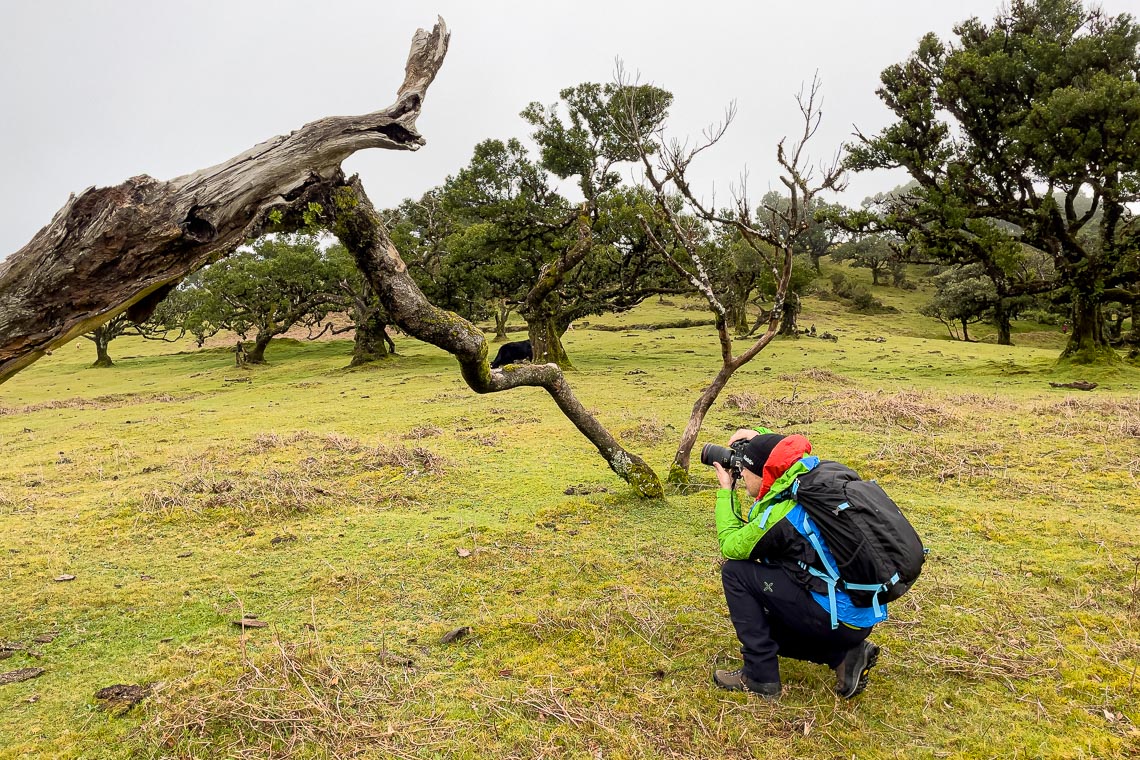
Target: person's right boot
x,y
735,680
851,675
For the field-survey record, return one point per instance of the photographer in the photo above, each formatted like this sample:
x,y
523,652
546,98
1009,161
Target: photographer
x,y
768,585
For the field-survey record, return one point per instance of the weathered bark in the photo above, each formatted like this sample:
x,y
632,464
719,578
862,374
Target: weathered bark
x,y
108,249
358,226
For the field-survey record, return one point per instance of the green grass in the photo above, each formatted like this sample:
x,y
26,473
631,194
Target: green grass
x,y
364,513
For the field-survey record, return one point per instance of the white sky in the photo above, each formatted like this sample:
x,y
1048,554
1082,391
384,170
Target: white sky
x,y
95,91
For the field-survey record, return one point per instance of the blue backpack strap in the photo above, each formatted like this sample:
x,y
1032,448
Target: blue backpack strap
x,y
831,577
833,607
874,587
809,531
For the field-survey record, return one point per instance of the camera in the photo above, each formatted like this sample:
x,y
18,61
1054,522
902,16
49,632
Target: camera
x,y
729,457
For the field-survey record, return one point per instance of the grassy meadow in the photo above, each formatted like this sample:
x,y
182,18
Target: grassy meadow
x,y
365,514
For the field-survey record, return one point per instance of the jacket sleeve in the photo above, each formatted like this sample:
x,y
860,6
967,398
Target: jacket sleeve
x,y
738,538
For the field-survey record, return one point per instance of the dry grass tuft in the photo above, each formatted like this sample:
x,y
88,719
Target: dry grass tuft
x,y
1102,418
100,402
258,494
745,402
818,376
909,410
294,699
263,442
646,431
414,461
421,432
937,459
342,443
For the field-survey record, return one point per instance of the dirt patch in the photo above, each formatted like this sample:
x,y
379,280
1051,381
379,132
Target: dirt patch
x,y
585,489
120,698
23,674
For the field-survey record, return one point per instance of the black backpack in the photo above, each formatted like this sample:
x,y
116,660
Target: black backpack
x,y
878,555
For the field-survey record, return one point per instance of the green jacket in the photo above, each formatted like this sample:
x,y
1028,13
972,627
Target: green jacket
x,y
737,531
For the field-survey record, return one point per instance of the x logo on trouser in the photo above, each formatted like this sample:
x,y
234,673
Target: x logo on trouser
x,y
768,586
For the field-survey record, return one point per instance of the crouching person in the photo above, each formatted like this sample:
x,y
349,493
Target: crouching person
x,y
772,574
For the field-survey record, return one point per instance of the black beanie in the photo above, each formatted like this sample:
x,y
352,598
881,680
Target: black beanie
x,y
758,449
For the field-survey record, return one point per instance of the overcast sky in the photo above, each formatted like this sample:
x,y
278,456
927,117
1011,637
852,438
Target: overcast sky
x,y
98,91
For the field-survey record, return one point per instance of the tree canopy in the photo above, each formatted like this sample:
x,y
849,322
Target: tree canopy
x,y
1003,129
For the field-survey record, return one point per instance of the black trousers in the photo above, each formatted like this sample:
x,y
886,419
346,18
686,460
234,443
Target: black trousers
x,y
774,615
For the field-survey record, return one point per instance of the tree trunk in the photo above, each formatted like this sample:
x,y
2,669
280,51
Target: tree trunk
x,y
1002,321
102,341
110,248
546,343
371,343
679,471
502,314
738,318
1114,326
1134,339
788,314
1087,341
965,330
256,355
541,306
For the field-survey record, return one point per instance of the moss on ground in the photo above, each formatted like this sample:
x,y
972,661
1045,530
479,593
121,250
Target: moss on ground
x,y
364,513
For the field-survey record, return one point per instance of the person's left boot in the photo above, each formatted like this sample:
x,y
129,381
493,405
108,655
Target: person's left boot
x,y
851,675
735,680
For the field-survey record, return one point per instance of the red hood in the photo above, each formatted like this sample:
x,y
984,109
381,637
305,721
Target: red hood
x,y
787,452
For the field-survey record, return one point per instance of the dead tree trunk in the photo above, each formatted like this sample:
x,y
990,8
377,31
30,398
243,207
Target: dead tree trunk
x,y
118,249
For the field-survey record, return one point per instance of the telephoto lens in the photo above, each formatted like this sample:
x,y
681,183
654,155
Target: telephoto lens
x,y
712,453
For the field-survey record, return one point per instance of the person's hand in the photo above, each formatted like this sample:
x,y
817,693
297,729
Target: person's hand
x,y
743,434
723,476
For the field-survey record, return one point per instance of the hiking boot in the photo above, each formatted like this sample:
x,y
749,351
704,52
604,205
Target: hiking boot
x,y
851,675
735,680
